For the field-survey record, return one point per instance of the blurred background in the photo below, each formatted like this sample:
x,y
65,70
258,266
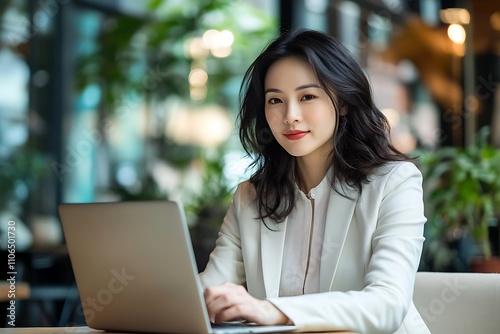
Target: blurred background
x,y
122,100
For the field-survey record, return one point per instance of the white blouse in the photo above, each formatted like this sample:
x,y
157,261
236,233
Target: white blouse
x,y
305,231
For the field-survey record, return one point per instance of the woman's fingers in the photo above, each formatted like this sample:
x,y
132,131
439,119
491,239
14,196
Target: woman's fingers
x,y
230,302
232,313
222,297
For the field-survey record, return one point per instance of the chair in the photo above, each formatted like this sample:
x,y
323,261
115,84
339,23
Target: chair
x,y
458,302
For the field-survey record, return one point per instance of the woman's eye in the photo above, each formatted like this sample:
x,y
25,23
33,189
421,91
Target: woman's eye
x,y
308,97
274,100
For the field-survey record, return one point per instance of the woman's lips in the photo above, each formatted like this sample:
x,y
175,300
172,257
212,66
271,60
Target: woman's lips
x,y
295,134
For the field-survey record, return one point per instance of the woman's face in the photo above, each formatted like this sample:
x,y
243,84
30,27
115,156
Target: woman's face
x,y
299,112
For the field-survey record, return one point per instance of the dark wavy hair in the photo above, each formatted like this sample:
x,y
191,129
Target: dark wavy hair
x,y
361,141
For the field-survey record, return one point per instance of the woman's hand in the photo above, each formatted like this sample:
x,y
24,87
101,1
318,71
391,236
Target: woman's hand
x,y
230,302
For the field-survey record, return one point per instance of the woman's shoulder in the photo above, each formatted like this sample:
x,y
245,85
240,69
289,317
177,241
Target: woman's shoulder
x,y
395,172
397,167
245,192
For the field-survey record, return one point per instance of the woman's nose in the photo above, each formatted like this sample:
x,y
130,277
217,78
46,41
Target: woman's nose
x,y
293,113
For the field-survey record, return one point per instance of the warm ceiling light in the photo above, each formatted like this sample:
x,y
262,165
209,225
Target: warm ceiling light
x,y
226,38
456,33
198,78
210,37
454,15
219,42
195,48
221,52
206,126
495,21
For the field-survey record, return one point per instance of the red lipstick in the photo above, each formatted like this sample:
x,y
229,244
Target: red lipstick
x,y
295,134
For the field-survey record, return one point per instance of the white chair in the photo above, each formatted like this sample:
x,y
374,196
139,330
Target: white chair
x,y
459,302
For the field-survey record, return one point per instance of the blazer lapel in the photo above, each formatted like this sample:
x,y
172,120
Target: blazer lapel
x,y
272,245
338,220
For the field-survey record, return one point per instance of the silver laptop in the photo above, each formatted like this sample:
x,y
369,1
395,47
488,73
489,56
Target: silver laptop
x,y
135,270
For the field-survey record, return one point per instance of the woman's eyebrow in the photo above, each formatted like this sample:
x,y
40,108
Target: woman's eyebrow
x,y
275,90
308,86
272,90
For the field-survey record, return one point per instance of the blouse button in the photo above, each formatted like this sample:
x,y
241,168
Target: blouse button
x,y
312,194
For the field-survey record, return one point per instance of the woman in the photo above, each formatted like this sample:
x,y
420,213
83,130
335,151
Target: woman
x,y
327,233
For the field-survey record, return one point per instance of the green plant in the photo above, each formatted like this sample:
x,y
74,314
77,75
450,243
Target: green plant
x,y
208,209
19,174
211,204
144,59
146,56
464,187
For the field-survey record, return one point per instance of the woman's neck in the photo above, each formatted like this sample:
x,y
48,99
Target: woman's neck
x,y
311,172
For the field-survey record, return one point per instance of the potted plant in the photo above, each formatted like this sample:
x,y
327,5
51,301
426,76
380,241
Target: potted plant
x,y
208,209
20,174
464,193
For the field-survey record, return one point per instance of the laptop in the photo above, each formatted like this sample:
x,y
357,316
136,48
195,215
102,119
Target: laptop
x,y
135,269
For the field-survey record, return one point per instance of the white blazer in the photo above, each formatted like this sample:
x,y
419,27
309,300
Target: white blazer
x,y
371,253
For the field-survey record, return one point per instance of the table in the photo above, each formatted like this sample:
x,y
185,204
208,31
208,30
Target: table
x,y
75,330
